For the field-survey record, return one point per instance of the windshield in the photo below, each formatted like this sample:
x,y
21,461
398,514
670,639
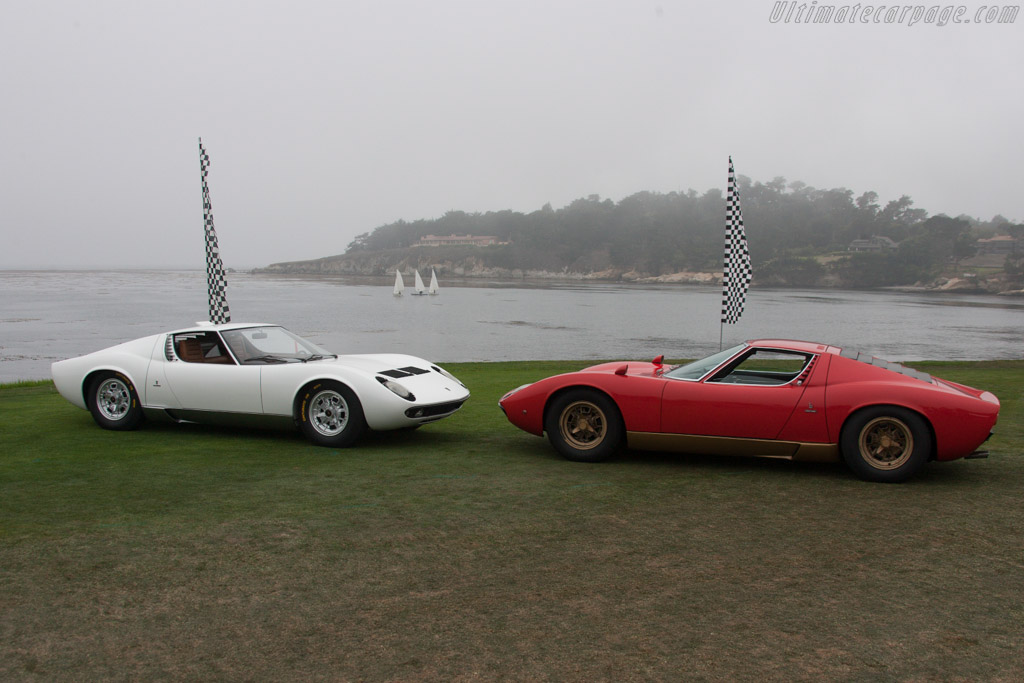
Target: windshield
x,y
271,345
699,368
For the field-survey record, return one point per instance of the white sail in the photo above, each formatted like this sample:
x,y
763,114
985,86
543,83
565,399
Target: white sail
x,y
433,282
420,287
399,283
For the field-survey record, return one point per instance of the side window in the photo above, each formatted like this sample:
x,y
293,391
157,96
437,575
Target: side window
x,y
766,367
201,347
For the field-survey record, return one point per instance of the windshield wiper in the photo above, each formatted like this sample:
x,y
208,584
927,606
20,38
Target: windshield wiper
x,y
265,359
318,356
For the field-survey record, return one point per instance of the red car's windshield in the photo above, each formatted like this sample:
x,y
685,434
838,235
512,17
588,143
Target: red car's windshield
x,y
700,368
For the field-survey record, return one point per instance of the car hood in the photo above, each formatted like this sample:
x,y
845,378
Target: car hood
x,y
417,373
630,368
376,363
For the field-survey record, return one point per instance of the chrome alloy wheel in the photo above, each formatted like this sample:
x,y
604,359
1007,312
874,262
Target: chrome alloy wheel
x,y
583,425
886,443
328,412
113,399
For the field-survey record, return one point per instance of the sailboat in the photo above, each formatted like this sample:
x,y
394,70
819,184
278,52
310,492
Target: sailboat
x,y
421,289
399,283
434,289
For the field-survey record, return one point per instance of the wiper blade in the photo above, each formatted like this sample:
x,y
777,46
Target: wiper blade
x,y
265,359
318,356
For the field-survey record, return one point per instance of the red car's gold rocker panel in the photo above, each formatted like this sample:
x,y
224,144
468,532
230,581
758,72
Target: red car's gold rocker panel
x,y
772,398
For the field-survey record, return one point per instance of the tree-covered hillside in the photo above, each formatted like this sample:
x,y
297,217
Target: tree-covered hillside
x,y
798,235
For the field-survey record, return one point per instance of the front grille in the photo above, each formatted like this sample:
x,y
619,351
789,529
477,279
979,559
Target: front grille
x,y
434,410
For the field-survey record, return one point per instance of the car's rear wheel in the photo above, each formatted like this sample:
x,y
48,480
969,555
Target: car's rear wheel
x,y
113,402
584,425
330,415
886,443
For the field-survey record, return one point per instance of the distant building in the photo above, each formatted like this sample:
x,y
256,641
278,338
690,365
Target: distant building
x,y
458,240
875,243
1000,244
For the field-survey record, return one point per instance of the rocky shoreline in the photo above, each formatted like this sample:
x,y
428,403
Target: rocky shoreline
x,y
470,269
378,264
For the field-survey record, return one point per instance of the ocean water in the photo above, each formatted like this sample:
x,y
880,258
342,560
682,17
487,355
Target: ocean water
x,y
50,315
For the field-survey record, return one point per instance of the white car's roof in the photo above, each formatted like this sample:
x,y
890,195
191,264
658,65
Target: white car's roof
x,y
221,326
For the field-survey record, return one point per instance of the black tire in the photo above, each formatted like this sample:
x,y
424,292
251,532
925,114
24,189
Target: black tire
x,y
584,425
885,443
329,414
113,402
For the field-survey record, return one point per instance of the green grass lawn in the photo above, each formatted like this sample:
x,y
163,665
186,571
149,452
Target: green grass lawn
x,y
469,550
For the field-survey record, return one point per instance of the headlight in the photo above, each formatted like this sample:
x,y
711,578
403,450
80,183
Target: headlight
x,y
515,390
448,375
397,388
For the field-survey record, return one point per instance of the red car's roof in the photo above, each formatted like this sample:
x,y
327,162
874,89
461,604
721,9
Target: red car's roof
x,y
795,345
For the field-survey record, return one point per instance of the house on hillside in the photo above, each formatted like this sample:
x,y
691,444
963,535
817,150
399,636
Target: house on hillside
x,y
1000,244
875,243
458,240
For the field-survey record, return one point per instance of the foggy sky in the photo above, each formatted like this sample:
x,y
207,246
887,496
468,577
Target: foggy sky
x,y
326,119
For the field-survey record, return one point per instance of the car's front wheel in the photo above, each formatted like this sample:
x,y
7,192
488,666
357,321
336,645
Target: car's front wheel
x,y
885,444
113,402
584,425
330,415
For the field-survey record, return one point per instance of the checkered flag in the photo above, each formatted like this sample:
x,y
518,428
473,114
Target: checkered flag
x,y
216,283
736,271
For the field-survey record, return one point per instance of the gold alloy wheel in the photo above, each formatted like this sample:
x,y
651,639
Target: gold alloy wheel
x,y
886,443
583,425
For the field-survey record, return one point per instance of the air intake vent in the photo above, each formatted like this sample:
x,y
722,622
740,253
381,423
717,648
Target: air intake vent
x,y
807,371
434,410
399,373
169,348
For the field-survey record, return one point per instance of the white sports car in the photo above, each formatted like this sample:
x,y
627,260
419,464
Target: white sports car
x,y
245,373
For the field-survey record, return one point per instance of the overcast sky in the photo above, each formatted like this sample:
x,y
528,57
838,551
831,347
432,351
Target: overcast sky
x,y
326,119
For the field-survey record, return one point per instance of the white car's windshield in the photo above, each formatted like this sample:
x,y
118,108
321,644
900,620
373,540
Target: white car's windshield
x,y
271,345
699,368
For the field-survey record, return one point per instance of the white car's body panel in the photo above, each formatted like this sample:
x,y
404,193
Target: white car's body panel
x,y
164,381
382,408
131,359
216,388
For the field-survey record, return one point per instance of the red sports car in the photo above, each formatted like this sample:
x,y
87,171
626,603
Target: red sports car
x,y
773,398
